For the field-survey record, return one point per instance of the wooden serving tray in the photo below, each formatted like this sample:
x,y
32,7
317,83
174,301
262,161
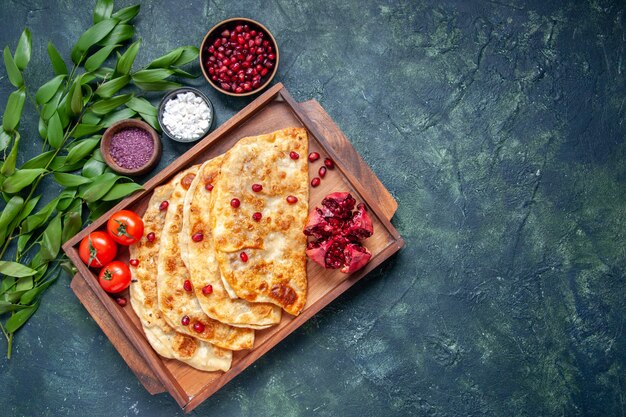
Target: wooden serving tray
x,y
275,109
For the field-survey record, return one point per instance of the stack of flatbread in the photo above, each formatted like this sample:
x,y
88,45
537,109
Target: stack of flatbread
x,y
212,273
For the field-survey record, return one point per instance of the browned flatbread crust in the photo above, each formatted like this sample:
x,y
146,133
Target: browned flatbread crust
x,y
275,271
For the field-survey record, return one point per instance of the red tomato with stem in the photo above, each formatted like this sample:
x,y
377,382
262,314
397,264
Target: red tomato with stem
x,y
115,277
97,249
125,227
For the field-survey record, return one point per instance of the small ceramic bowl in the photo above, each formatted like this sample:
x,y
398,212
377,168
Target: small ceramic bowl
x,y
105,146
215,33
171,95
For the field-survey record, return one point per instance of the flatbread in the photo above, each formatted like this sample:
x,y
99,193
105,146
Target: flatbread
x,y
275,246
143,298
173,300
199,257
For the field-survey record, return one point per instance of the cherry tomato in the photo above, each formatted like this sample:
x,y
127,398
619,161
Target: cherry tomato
x,y
97,249
125,227
114,277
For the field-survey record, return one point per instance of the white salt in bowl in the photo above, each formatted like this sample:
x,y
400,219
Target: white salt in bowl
x,y
173,95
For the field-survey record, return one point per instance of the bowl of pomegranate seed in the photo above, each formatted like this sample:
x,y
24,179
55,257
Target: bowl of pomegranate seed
x,y
239,56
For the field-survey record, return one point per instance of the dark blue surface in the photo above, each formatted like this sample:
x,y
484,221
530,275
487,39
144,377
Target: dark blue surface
x,y
499,126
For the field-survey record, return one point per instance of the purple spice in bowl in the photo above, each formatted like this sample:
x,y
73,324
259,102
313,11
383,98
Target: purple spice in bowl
x,y
131,148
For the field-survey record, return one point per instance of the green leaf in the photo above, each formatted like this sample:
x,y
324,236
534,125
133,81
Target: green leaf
x,y
92,36
40,161
127,13
13,110
123,114
90,118
58,165
8,167
57,61
98,208
47,91
158,85
166,60
111,87
107,105
48,109
84,130
22,52
66,199
99,187
30,295
6,307
9,213
28,208
42,128
125,62
151,120
82,149
22,241
120,34
121,190
141,105
32,222
96,60
15,76
55,131
51,239
72,224
76,104
20,179
190,53
14,269
93,168
70,180
5,140
151,75
18,319
180,73
102,10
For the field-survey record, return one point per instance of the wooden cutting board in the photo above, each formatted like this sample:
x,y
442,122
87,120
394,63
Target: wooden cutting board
x,y
342,148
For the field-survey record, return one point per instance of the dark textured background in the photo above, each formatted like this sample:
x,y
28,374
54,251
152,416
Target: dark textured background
x,y
500,128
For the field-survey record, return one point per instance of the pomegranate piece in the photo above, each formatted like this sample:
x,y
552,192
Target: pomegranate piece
x,y
150,236
198,327
133,262
294,155
185,321
257,187
338,231
197,237
257,216
209,187
360,225
329,163
187,285
322,172
244,257
292,199
121,301
164,205
355,257
314,156
235,203
315,182
207,289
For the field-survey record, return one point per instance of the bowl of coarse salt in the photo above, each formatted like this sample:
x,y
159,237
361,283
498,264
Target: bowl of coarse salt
x,y
186,115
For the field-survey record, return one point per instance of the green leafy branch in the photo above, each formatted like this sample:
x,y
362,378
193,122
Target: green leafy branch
x,y
74,107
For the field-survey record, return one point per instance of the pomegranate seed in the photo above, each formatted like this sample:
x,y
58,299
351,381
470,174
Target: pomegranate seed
x,y
207,289
235,202
187,285
121,301
322,172
226,33
264,71
315,182
314,156
243,256
329,163
238,90
198,327
257,216
209,187
185,321
239,28
271,56
225,86
151,236
294,155
253,33
268,65
134,262
258,40
292,199
197,237
257,187
164,205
